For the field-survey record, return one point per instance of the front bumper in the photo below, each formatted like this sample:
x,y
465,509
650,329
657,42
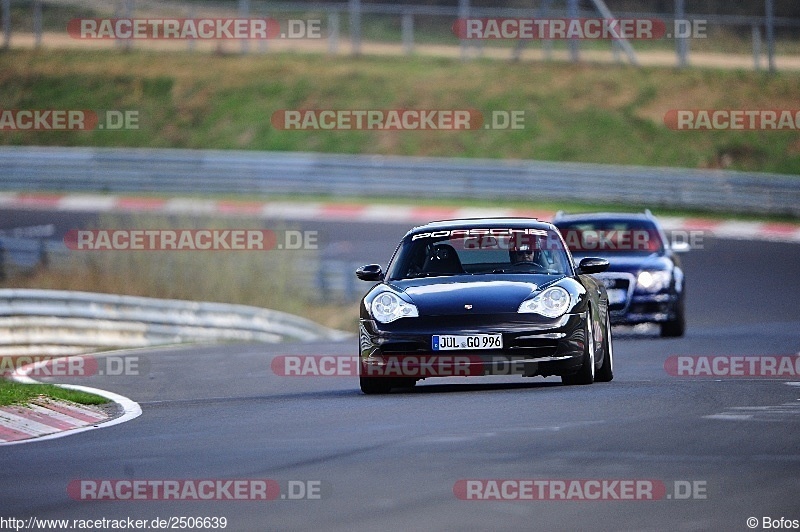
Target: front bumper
x,y
532,345
631,307
646,308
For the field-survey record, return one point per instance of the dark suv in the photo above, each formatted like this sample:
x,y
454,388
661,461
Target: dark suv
x,y
644,280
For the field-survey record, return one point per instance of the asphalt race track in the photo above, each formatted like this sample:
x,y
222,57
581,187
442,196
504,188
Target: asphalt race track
x,y
724,449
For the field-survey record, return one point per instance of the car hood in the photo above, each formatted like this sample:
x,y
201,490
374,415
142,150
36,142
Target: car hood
x,y
438,297
621,262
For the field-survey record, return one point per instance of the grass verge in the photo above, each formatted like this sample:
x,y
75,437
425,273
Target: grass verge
x,y
582,113
16,393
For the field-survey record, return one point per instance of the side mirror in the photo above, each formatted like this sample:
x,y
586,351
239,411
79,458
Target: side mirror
x,y
680,247
370,272
591,265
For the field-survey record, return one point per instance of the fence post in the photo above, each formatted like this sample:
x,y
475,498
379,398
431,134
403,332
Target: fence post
x,y
547,44
770,15
263,44
127,10
408,33
355,26
190,44
6,23
756,47
463,13
333,32
572,14
37,22
244,12
681,43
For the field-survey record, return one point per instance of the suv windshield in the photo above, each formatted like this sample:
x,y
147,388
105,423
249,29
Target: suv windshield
x,y
480,251
637,237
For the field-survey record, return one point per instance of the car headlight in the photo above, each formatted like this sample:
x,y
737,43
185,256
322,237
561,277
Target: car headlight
x,y
387,307
550,303
653,281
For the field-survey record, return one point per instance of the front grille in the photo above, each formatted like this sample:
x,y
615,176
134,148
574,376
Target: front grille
x,y
618,281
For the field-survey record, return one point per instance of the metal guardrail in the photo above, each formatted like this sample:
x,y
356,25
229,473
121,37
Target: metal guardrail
x,y
92,320
25,254
169,171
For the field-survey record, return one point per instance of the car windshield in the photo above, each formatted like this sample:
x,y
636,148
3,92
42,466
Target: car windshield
x,y
607,237
471,251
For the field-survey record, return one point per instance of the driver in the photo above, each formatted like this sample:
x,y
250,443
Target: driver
x,y
523,254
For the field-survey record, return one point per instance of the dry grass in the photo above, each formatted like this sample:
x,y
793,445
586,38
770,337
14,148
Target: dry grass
x,y
275,279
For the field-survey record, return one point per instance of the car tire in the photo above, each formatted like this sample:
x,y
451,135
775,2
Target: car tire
x,y
606,371
375,385
586,374
677,327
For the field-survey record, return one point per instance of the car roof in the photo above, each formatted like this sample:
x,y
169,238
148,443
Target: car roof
x,y
604,216
472,223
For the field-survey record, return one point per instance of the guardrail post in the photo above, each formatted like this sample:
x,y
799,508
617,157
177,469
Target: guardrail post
x,y
349,288
322,281
2,261
355,26
333,32
407,25
6,23
44,259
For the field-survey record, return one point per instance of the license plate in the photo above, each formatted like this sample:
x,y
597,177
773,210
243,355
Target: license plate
x,y
451,342
617,295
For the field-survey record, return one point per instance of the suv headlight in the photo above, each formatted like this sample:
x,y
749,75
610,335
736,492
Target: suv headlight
x,y
387,307
653,281
551,303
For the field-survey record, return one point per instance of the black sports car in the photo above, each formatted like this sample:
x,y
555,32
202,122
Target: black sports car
x,y
483,297
644,280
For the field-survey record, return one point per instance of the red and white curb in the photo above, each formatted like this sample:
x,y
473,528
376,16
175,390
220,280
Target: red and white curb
x,y
356,212
45,419
44,416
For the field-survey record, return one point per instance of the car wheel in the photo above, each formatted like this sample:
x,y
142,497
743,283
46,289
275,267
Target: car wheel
x,y
375,385
676,327
586,374
606,371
